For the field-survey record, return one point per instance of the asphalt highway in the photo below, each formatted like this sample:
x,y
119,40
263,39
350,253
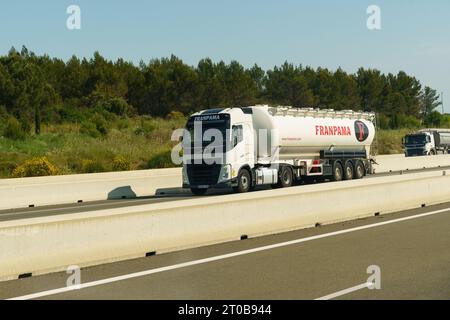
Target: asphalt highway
x,y
410,249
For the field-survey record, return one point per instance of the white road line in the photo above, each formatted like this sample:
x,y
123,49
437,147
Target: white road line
x,y
345,291
221,257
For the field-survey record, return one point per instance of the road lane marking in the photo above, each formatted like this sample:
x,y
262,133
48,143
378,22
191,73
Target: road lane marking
x,y
221,257
346,291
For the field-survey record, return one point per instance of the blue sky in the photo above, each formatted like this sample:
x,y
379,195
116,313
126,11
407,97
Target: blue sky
x,y
415,34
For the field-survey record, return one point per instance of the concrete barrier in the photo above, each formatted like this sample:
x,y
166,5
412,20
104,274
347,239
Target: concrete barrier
x,y
397,162
47,244
40,191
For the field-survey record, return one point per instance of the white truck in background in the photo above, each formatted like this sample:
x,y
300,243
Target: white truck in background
x,y
427,142
276,146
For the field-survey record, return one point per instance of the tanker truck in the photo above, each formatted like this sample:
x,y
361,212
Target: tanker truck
x,y
247,147
427,142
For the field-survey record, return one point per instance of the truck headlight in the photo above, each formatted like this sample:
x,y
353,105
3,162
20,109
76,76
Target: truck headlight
x,y
225,173
185,176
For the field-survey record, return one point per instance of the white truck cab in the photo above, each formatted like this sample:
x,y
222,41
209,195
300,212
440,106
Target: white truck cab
x,y
427,142
219,168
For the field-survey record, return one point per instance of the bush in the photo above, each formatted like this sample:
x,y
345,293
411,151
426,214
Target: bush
x,y
434,119
7,166
100,124
161,160
408,122
89,129
175,115
74,164
96,127
145,128
383,121
25,124
3,113
35,167
123,123
390,141
91,166
121,164
70,114
13,130
118,106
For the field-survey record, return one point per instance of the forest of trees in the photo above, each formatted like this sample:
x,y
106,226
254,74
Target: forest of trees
x,y
39,89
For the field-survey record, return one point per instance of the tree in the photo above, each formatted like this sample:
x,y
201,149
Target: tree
x,y
258,76
240,88
429,101
434,119
287,86
40,89
211,91
370,86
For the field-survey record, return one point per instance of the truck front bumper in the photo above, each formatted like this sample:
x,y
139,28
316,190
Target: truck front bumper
x,y
416,152
222,185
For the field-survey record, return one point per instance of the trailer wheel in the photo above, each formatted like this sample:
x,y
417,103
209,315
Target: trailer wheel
x,y
338,172
244,182
285,177
348,170
199,191
359,170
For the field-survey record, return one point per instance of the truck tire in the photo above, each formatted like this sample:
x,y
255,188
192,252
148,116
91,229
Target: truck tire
x,y
286,177
348,170
338,171
199,191
432,152
359,170
244,182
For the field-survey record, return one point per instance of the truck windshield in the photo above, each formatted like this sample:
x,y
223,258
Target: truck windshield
x,y
207,128
416,139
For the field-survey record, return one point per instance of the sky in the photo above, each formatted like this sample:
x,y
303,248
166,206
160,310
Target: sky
x,y
414,35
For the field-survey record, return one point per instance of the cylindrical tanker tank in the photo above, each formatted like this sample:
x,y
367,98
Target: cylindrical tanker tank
x,y
303,133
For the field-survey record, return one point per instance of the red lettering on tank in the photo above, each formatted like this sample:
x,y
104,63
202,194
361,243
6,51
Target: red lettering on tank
x,y
333,131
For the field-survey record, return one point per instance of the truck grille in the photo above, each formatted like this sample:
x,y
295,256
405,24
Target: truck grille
x,y
203,174
415,152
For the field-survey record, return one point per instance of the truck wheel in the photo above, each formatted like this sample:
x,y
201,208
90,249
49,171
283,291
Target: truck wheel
x,y
285,178
244,182
432,153
199,191
338,172
359,170
348,170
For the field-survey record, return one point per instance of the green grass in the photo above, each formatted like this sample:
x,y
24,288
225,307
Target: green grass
x,y
143,143
390,141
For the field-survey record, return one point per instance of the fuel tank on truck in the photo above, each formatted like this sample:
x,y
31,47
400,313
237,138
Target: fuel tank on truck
x,y
301,133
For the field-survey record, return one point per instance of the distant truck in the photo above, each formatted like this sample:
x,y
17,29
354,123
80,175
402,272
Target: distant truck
x,y
427,142
276,146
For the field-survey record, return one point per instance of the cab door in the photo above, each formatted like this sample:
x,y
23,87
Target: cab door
x,y
249,142
238,146
242,140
